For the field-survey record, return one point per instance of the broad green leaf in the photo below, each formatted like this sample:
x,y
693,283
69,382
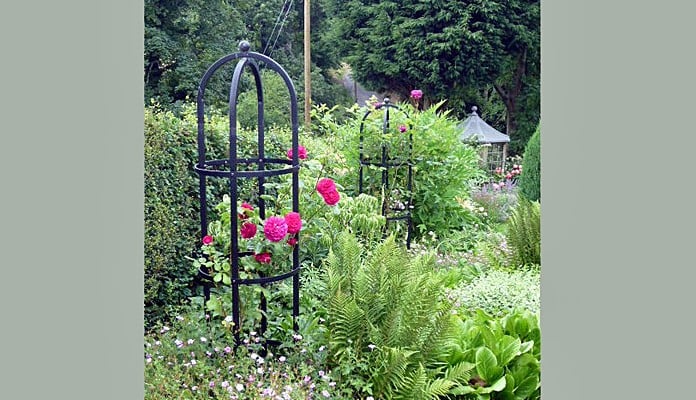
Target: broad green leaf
x,y
527,386
497,386
487,365
217,277
509,348
489,338
526,346
526,359
226,279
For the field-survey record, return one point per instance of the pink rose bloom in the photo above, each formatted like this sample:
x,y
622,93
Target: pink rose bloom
x,y
416,94
331,198
263,258
325,185
275,229
248,230
294,222
301,153
402,128
292,241
207,239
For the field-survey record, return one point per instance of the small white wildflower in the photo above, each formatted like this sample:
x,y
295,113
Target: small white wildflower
x,y
282,359
240,387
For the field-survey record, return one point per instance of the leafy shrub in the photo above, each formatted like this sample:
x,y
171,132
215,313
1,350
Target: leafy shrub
x,y
170,219
499,291
530,179
524,233
443,166
276,102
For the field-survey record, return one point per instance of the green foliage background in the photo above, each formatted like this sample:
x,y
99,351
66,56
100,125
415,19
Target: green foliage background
x,y
530,180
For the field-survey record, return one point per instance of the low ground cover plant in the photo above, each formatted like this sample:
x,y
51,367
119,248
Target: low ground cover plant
x,y
500,291
195,358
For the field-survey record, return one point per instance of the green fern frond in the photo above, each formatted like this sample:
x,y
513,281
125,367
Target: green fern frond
x,y
391,377
438,387
524,233
417,386
460,373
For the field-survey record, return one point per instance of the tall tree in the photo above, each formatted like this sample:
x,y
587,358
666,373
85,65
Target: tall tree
x,y
183,37
446,48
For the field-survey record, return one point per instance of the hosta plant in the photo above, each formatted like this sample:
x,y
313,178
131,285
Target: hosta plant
x,y
505,353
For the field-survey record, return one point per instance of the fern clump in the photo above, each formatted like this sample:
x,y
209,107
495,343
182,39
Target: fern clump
x,y
524,233
389,324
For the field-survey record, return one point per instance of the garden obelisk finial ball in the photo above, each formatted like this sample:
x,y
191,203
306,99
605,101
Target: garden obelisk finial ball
x,y
244,46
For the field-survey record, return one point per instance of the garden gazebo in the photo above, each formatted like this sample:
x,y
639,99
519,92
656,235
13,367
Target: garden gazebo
x,y
494,144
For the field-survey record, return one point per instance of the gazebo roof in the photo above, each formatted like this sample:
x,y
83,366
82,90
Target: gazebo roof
x,y
475,126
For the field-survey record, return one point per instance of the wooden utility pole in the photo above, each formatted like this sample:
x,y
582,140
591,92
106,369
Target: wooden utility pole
x,y
307,65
